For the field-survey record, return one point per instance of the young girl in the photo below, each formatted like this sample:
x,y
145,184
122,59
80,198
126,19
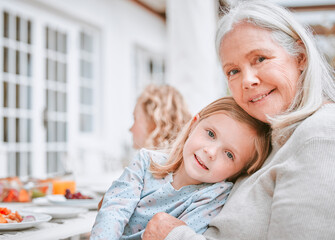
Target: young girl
x,y
159,115
219,144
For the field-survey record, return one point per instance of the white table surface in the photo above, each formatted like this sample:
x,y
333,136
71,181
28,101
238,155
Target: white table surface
x,y
54,229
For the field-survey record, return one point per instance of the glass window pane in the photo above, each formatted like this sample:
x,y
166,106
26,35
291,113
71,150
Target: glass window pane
x,y
85,123
64,44
60,72
17,130
65,132
29,130
28,97
29,32
85,96
82,68
64,102
11,95
51,162
17,94
11,61
18,28
5,59
17,161
5,94
56,41
6,24
17,62
11,164
60,137
47,68
5,129
29,65
64,72
47,38
82,41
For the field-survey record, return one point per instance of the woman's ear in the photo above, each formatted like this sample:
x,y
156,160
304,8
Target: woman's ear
x,y
301,56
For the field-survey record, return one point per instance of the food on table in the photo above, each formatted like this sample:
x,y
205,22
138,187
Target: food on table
x,y
76,195
12,189
7,216
60,186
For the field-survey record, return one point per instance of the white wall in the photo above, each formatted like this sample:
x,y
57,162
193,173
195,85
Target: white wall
x,y
192,62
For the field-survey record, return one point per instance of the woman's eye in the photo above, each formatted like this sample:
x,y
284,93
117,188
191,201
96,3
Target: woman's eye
x,y
211,133
232,72
260,59
230,155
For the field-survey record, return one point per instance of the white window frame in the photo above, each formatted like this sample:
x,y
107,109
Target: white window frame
x,y
41,17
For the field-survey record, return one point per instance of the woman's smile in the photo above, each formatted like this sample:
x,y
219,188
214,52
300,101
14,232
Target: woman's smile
x,y
260,97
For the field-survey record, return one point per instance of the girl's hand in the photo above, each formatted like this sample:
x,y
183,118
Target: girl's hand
x,y
100,203
160,226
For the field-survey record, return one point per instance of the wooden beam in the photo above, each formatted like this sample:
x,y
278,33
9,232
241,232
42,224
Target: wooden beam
x,y
148,8
313,8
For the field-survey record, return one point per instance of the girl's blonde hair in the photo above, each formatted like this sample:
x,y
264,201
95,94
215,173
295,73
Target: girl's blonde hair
x,y
166,109
228,106
316,83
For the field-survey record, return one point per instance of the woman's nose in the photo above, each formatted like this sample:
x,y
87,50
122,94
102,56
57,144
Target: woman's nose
x,y
250,80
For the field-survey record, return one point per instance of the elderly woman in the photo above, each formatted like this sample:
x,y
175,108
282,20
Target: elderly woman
x,y
277,75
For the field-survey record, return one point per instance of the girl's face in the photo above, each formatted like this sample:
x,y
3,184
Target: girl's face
x,y
261,75
217,148
141,128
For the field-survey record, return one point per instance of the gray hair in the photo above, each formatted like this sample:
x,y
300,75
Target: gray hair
x,y
316,81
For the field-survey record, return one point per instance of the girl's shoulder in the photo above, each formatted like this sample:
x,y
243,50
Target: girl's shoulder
x,y
157,156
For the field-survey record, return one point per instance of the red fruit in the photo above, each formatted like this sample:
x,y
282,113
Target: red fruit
x,y
12,196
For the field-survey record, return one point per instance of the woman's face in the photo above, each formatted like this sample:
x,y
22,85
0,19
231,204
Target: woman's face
x,y
141,128
261,75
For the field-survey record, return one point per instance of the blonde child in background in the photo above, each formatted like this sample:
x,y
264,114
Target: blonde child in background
x,y
219,144
159,114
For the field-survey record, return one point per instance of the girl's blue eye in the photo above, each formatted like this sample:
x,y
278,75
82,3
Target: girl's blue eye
x,y
211,133
230,155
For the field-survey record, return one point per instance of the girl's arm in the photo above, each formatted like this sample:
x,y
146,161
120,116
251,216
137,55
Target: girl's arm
x,y
195,219
120,200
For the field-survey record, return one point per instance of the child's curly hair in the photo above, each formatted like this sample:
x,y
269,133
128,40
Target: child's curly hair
x,y
165,107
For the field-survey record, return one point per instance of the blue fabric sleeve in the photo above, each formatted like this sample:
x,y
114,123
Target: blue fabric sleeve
x,y
206,205
120,200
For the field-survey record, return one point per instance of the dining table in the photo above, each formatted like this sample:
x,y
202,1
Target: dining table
x,y
62,225
56,228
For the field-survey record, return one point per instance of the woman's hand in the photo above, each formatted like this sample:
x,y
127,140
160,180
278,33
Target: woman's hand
x,y
160,226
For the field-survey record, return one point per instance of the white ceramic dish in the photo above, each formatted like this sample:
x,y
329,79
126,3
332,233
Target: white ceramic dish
x,y
39,218
58,211
84,203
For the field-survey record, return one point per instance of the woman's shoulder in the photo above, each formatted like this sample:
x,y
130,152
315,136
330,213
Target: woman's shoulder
x,y
319,125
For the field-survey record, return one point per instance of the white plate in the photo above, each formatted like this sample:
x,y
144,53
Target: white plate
x,y
58,211
39,218
99,189
84,203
